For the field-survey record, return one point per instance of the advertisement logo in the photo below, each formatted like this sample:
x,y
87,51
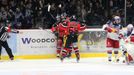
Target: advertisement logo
x,y
37,40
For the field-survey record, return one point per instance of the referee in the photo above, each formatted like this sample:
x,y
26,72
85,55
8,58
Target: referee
x,y
3,41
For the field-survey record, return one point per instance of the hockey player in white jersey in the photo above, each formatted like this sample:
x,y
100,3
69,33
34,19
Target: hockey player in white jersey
x,y
113,28
129,45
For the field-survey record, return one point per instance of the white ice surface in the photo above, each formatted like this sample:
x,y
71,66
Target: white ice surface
x,y
86,66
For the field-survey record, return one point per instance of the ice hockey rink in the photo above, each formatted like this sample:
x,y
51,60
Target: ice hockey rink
x,y
86,66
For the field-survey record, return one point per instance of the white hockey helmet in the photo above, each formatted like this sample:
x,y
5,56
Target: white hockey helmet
x,y
130,27
117,19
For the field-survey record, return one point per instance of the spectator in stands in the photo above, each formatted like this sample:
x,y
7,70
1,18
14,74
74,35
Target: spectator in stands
x,y
27,23
19,17
83,9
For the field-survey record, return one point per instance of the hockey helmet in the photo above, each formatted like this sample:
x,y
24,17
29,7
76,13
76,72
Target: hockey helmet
x,y
116,19
130,27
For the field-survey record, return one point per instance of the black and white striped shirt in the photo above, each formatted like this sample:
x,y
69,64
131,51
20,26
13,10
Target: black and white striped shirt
x,y
3,33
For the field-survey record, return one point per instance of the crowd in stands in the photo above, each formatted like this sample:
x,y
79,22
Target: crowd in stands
x,y
27,14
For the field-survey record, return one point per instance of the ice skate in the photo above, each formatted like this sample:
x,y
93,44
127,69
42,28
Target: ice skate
x,y
77,59
61,59
117,60
11,58
58,55
69,55
109,59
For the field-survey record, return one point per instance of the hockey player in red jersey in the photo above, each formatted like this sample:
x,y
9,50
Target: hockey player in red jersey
x,y
73,28
59,30
112,42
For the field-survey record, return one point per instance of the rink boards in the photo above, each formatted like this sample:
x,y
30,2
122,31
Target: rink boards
x,y
40,44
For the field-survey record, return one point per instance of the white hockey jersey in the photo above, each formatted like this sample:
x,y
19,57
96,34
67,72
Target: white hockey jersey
x,y
112,30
